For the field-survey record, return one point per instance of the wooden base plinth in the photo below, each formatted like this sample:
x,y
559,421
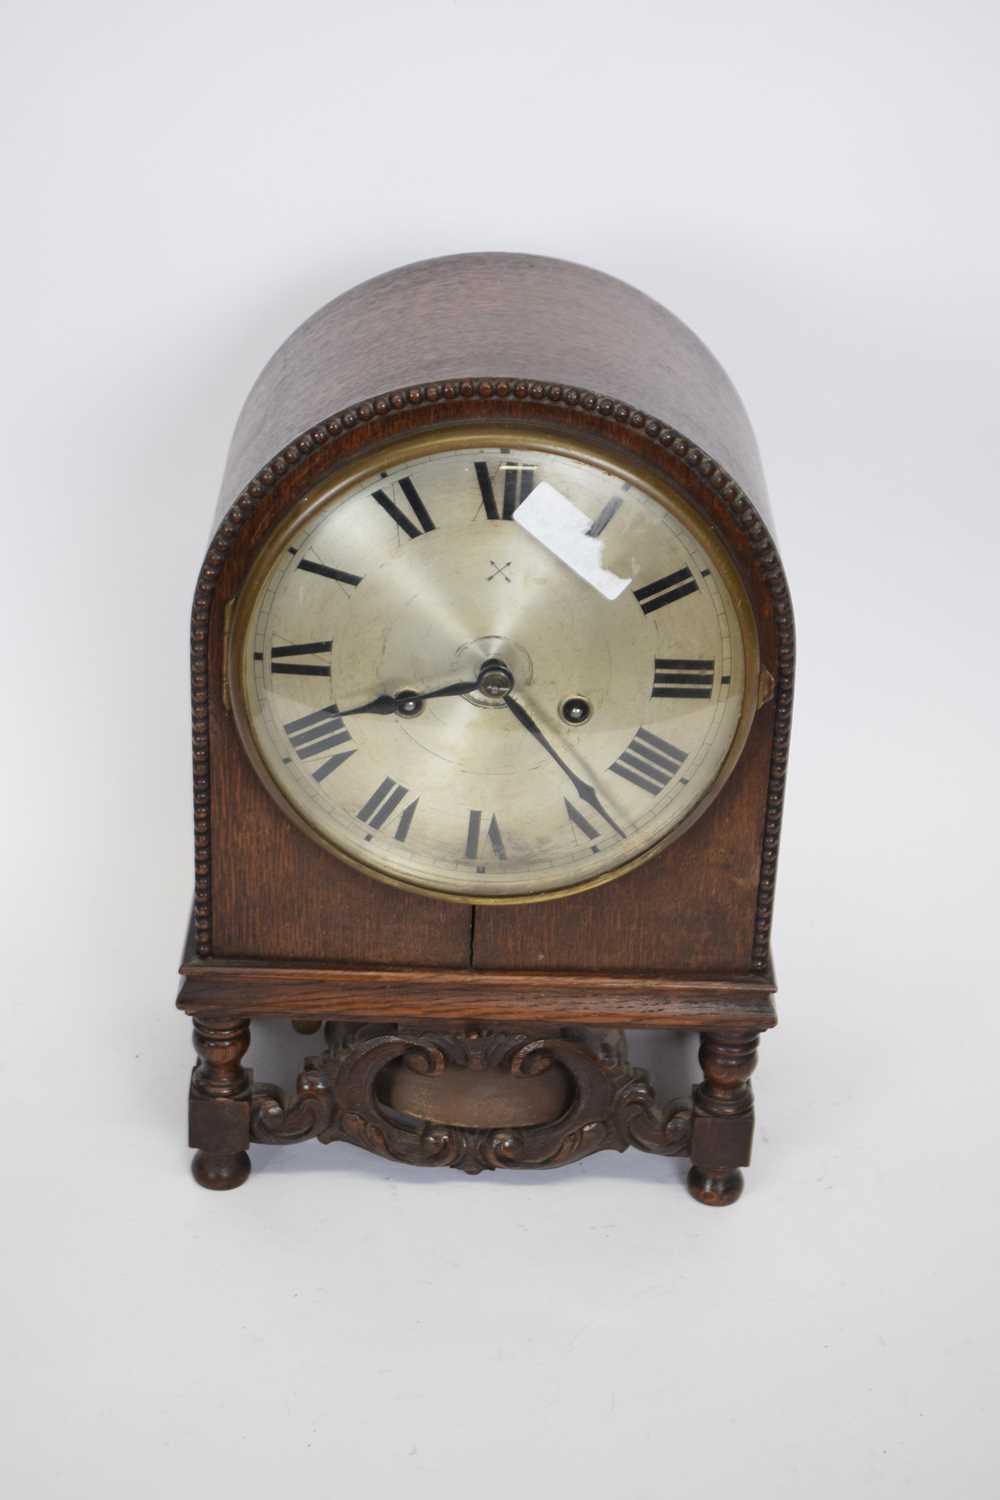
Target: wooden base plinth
x,y
526,1098
473,1069
308,994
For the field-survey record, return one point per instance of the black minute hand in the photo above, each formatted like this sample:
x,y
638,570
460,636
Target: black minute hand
x,y
584,790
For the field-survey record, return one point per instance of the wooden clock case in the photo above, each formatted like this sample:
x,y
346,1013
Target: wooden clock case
x,y
503,994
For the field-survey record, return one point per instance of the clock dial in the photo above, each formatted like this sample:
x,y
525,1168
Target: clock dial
x,y
494,673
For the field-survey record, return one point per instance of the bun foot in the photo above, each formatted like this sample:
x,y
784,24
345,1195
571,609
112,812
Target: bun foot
x,y
717,1189
219,1171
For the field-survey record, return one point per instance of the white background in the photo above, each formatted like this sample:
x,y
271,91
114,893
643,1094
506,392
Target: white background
x,y
813,189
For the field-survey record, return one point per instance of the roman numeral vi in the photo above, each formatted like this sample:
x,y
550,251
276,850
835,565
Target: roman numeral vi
x,y
473,835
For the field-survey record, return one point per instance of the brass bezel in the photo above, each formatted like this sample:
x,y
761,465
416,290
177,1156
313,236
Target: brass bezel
x,y
346,478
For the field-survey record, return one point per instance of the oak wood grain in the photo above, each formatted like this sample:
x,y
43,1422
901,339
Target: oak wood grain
x,y
463,995
494,314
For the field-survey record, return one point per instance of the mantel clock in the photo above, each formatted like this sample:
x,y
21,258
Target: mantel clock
x,y
491,675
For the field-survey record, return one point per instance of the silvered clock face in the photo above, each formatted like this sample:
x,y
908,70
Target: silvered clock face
x,y
452,684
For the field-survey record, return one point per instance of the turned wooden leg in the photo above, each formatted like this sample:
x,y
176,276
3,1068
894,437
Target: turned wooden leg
x,y
219,1105
722,1126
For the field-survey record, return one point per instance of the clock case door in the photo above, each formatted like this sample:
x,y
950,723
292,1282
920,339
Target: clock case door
x,y
696,917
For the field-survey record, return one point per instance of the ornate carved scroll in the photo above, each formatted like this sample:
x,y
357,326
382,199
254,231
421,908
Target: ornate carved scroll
x,y
341,1096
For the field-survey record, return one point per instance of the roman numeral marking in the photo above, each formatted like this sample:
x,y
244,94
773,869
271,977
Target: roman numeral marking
x,y
577,818
301,669
317,732
337,574
492,833
649,762
402,520
486,490
682,678
607,515
383,803
518,483
666,590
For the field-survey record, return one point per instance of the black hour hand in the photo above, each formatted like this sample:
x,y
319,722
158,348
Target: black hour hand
x,y
408,701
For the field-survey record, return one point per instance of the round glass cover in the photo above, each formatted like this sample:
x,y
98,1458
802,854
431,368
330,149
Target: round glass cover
x,y
494,672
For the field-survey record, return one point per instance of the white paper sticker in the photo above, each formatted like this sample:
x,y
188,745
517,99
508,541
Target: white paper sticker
x,y
557,523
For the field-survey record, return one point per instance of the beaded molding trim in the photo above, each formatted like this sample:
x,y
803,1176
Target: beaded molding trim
x,y
615,414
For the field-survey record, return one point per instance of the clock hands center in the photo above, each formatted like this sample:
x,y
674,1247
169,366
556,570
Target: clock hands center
x,y
494,679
